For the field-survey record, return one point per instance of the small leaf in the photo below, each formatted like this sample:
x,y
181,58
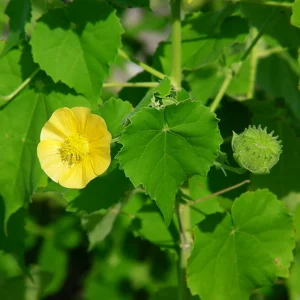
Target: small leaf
x,y
164,147
19,12
113,112
241,250
82,40
162,90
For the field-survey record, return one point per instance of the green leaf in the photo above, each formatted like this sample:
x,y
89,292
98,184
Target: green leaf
x,y
162,90
99,224
204,38
295,18
21,121
240,252
82,41
164,147
19,12
114,112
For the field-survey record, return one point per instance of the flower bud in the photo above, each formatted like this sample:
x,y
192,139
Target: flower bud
x,y
256,150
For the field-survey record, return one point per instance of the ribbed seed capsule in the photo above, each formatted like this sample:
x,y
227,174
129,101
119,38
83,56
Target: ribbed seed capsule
x,y
256,150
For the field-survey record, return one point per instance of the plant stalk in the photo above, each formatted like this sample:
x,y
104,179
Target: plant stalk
x,y
142,65
176,44
183,216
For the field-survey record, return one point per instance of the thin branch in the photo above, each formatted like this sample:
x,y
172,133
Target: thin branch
x,y
219,192
142,65
20,87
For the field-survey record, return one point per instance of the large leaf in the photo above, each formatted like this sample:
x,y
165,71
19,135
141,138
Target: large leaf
x,y
21,121
19,12
164,147
81,42
241,252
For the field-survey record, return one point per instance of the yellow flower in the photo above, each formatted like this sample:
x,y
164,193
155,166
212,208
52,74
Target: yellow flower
x,y
74,147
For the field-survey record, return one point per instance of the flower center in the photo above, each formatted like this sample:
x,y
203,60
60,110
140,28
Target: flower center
x,y
73,149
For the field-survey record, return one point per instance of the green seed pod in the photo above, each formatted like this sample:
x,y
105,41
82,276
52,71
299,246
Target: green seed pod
x,y
256,150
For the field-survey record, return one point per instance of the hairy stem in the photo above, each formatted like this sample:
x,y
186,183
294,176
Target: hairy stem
x,y
176,44
142,65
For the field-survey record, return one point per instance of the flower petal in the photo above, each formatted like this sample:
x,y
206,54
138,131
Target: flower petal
x,y
50,159
81,115
100,160
79,175
95,128
60,125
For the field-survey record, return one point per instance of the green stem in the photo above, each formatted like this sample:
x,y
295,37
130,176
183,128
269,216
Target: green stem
x,y
176,44
130,84
141,64
221,91
20,87
233,71
232,169
183,216
219,192
268,3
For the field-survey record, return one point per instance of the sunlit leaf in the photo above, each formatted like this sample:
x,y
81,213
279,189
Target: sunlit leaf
x,y
82,40
164,147
240,251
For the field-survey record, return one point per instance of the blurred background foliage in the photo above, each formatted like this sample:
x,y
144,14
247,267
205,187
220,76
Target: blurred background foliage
x,y
130,255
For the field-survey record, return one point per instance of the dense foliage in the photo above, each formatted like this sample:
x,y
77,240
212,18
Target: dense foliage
x,y
201,199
